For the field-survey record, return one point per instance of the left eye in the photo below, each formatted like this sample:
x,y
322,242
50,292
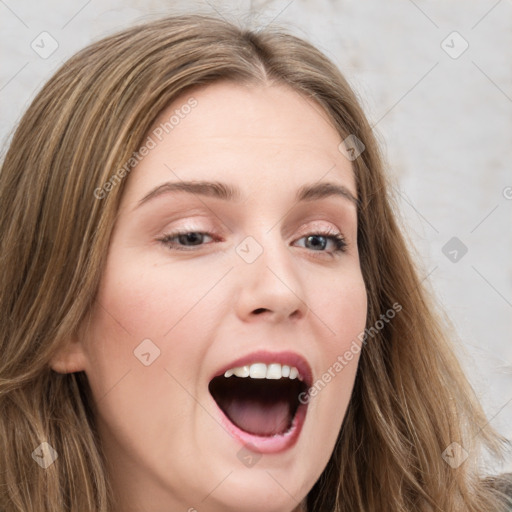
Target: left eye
x,y
317,242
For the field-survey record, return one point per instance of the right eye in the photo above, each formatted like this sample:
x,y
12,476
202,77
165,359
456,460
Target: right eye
x,y
183,240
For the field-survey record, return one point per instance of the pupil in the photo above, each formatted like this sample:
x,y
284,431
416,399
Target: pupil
x,y
193,238
316,237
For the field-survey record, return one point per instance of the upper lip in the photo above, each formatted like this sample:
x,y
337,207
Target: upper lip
x,y
284,357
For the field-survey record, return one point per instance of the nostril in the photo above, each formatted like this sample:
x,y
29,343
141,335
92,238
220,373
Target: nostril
x,y
259,310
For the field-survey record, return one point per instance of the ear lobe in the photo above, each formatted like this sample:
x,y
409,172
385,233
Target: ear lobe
x,y
69,358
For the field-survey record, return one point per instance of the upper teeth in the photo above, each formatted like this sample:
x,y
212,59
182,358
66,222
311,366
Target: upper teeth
x,y
264,371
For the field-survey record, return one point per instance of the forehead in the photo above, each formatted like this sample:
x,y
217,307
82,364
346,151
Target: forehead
x,y
249,134
232,105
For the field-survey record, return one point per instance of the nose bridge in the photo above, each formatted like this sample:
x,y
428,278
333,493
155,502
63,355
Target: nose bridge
x,y
269,281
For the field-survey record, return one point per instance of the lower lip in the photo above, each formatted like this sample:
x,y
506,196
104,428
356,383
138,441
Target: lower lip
x,y
262,444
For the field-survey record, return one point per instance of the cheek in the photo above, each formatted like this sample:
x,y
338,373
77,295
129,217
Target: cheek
x,y
141,299
150,326
341,306
145,346
343,311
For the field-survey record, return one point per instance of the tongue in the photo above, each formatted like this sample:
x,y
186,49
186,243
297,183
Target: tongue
x,y
262,419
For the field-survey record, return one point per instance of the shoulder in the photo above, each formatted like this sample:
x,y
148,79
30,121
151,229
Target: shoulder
x,y
502,484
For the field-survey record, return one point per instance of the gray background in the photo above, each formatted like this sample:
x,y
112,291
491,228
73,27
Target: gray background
x,y
442,115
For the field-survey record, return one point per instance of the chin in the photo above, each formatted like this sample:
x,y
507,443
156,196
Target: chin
x,y
255,490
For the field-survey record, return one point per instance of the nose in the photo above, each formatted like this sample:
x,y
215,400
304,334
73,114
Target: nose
x,y
270,287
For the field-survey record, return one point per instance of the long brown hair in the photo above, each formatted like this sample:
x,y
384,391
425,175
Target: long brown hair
x,y
410,400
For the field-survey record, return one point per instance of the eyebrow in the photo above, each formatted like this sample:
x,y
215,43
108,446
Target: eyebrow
x,y
228,192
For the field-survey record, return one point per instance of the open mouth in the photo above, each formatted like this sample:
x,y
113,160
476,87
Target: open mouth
x,y
260,399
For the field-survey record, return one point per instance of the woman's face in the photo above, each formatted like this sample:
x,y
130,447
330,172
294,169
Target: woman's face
x,y
260,285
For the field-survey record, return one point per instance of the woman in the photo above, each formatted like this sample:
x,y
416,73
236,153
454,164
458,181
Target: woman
x,y
206,301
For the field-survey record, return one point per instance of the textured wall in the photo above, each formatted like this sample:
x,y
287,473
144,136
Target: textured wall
x,y
436,81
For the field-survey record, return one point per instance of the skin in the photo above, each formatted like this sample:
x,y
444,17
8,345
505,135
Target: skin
x,y
204,307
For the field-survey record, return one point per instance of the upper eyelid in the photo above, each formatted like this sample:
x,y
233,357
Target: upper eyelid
x,y
190,227
322,222
338,240
330,233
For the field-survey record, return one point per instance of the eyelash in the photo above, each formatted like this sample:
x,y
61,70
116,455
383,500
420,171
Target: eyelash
x,y
337,238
